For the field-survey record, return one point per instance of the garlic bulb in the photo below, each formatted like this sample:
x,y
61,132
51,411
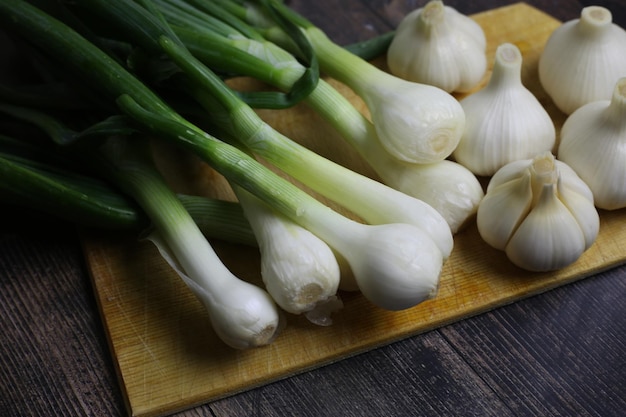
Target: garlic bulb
x,y
593,143
439,46
539,212
583,59
504,121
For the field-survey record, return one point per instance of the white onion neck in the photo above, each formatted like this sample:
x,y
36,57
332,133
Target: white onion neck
x,y
594,21
431,16
616,111
507,67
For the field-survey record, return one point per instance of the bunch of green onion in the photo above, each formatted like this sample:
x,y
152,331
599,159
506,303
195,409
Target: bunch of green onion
x,y
139,71
445,185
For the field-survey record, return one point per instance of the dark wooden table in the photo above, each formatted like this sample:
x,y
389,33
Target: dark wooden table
x,y
561,353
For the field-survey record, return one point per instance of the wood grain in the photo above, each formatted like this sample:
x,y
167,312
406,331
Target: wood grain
x,y
167,356
53,356
546,371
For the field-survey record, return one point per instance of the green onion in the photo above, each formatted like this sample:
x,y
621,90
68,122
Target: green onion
x,y
298,269
344,186
447,186
243,315
371,48
39,178
219,219
396,265
89,201
66,194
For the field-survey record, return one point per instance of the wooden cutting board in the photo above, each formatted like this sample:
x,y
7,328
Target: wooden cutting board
x,y
166,353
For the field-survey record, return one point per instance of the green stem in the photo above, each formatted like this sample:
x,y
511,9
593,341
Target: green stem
x,y
235,165
77,54
342,64
77,198
181,13
153,115
43,179
224,49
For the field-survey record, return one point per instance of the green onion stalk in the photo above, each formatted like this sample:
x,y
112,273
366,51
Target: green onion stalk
x,y
382,288
350,189
49,179
299,270
342,185
88,201
55,190
448,187
346,187
396,265
242,314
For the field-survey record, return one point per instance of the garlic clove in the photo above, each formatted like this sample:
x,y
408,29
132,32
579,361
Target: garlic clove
x,y
507,173
580,206
504,121
502,210
576,186
439,46
549,238
582,59
593,143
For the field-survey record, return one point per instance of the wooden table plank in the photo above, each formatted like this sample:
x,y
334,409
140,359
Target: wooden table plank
x,y
427,368
543,356
54,358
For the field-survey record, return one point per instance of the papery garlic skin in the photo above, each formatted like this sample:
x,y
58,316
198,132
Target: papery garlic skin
x,y
504,121
439,46
593,143
583,59
539,212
